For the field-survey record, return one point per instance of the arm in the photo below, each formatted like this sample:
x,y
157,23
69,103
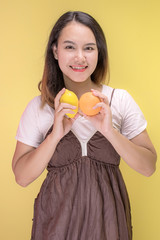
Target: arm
x,y
29,162
138,153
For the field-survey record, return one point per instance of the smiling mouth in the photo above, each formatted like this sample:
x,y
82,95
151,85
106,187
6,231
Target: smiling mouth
x,y
79,68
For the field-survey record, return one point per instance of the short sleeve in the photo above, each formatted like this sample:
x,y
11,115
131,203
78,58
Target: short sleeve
x,y
28,130
133,121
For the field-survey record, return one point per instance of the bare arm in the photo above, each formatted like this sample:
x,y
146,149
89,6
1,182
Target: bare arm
x,y
29,162
139,152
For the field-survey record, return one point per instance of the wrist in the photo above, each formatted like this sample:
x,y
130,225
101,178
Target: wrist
x,y
111,134
53,138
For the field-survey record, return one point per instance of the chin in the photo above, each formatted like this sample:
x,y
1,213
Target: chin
x,y
77,79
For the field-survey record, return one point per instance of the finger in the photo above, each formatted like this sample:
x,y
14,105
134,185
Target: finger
x,y
57,98
100,105
63,109
61,114
104,108
65,106
102,97
76,116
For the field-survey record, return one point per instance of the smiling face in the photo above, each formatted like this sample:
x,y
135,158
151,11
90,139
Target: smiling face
x,y
76,52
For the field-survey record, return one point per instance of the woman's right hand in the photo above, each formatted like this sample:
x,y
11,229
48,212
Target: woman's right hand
x,y
62,124
29,162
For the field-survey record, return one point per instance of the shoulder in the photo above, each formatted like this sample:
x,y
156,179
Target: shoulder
x,y
35,106
42,115
124,104
118,95
35,103
35,122
127,116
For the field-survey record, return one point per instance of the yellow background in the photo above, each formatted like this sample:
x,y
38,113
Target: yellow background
x,y
132,30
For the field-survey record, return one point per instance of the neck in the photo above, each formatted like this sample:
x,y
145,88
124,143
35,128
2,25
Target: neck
x,y
81,87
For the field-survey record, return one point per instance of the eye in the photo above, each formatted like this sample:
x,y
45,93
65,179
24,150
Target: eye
x,y
70,47
89,48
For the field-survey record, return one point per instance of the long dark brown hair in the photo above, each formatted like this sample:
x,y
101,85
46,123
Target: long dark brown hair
x,y
52,81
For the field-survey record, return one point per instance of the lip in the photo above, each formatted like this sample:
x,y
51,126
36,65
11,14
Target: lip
x,y
79,68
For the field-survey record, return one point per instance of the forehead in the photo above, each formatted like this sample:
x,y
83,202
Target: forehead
x,y
75,31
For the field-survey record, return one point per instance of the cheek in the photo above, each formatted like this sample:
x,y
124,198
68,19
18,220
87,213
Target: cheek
x,y
61,65
94,60
63,58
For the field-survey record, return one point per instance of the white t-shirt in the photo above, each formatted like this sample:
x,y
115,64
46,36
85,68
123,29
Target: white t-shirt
x,y
127,118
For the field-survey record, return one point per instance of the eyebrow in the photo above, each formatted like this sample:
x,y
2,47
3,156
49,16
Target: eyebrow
x,y
71,42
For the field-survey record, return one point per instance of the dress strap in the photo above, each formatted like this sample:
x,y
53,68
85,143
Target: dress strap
x,y
111,97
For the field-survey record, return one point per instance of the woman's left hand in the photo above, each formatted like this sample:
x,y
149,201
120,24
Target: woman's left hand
x,y
138,153
103,120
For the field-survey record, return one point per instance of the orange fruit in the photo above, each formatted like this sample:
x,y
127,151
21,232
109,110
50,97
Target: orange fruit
x,y
86,103
70,98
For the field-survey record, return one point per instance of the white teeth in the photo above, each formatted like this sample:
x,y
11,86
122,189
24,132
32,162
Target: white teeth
x,y
78,68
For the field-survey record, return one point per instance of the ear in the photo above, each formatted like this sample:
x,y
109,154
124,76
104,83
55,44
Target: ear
x,y
54,48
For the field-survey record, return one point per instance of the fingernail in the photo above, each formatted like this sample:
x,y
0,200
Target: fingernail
x,y
73,107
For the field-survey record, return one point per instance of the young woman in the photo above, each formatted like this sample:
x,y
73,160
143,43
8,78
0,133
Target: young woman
x,y
84,195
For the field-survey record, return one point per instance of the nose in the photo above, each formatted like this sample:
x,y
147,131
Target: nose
x,y
80,57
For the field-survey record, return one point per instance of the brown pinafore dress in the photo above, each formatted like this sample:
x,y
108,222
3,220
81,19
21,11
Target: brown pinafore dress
x,y
83,197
